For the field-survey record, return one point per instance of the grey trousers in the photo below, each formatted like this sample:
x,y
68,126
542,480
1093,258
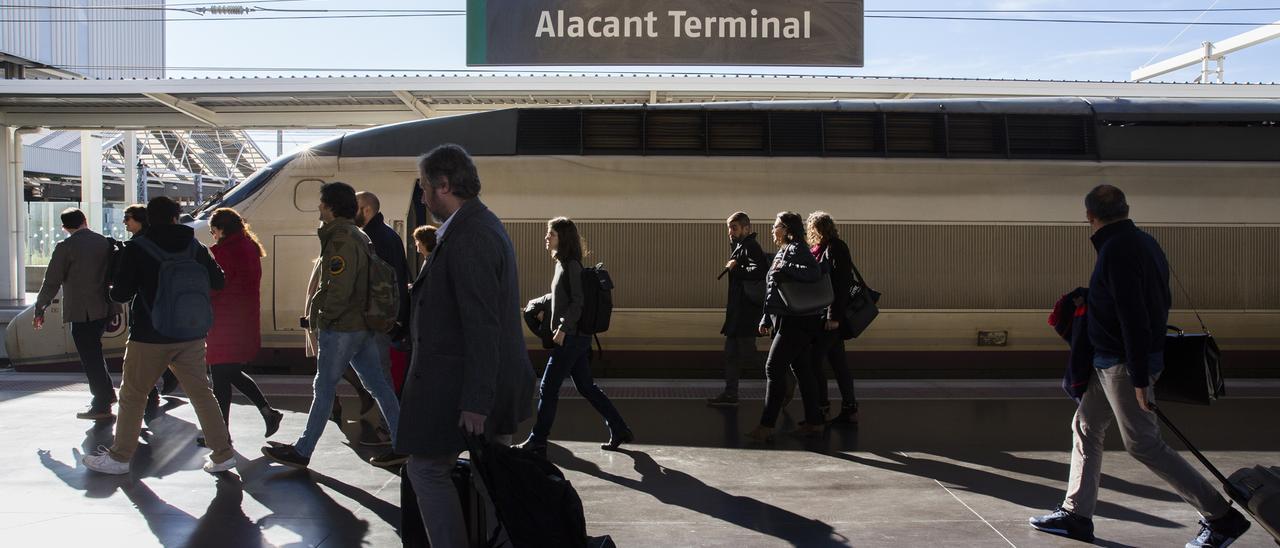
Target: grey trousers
x,y
1110,398
438,501
738,352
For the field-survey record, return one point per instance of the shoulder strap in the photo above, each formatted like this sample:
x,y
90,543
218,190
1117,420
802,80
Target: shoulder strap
x,y
1188,296
857,275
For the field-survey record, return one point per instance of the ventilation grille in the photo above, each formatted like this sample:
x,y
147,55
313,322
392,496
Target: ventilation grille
x,y
1050,137
549,131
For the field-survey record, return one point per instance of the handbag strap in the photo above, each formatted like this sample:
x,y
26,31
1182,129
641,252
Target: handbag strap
x,y
1189,301
857,275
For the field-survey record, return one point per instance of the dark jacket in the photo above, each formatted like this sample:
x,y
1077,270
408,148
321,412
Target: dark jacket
x,y
741,316
793,262
390,248
835,258
468,351
79,268
1071,321
566,297
1129,298
139,274
541,327
236,335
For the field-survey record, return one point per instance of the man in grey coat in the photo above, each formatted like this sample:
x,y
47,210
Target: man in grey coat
x,y
470,370
79,267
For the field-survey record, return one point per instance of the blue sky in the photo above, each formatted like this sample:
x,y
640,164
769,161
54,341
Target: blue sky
x,y
963,49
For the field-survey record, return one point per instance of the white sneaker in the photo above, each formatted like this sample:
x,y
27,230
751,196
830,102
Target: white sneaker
x,y
100,461
215,467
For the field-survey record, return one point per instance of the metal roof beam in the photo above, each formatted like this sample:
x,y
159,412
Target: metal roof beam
x,y
1217,50
188,108
414,103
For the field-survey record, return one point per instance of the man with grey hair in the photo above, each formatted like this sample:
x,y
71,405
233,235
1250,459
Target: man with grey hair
x,y
469,373
1128,308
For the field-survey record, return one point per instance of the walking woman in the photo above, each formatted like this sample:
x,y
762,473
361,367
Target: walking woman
x,y
571,356
833,254
793,336
236,337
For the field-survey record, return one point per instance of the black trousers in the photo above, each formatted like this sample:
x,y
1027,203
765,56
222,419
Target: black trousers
x,y
793,341
87,337
226,375
830,351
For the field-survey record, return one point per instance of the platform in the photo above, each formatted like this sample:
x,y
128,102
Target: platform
x,y
940,463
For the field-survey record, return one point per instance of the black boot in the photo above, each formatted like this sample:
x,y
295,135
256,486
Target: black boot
x,y
617,438
848,414
272,419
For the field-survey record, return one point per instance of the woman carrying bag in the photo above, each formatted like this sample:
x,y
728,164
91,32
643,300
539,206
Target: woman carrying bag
x,y
795,329
833,254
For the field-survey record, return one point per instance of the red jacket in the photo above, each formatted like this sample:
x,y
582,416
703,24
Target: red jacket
x,y
236,336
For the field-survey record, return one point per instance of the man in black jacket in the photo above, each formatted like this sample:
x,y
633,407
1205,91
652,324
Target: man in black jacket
x,y
1128,307
390,248
149,352
747,267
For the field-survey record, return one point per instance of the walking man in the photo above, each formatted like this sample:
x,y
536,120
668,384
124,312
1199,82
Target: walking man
x,y
79,267
470,370
390,248
747,267
337,312
166,275
1128,307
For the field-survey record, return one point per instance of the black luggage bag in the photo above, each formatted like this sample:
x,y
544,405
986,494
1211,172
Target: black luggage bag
x,y
1256,490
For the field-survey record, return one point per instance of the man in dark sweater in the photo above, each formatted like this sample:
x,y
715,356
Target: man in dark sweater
x,y
149,352
1129,304
746,268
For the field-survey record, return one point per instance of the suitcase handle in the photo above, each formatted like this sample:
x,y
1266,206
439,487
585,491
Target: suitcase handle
x,y
1234,492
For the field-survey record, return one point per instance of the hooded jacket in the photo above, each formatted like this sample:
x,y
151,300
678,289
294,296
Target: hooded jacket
x,y
139,274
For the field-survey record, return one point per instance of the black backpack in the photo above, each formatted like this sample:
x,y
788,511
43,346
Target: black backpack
x,y
535,503
597,302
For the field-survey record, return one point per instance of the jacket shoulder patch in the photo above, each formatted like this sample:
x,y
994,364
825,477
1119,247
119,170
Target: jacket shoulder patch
x,y
337,265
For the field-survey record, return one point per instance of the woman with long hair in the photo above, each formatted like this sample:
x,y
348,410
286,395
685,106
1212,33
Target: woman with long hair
x,y
833,254
572,352
236,337
793,335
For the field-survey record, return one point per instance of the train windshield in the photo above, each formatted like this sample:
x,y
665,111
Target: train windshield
x,y
237,194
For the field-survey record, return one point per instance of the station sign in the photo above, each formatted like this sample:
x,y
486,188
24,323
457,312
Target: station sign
x,y
665,32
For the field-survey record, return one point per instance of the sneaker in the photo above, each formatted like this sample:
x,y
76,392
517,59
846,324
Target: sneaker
x,y
1064,523
92,413
533,446
374,437
1221,532
287,455
272,419
100,461
389,459
215,467
723,400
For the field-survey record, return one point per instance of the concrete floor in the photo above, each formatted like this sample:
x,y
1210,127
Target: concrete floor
x,y
919,470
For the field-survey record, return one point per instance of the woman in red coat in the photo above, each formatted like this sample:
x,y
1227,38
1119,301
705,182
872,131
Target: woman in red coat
x,y
235,337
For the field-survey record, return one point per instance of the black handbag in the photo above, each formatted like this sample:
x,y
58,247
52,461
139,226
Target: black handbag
x,y
1192,363
806,298
862,309
1192,368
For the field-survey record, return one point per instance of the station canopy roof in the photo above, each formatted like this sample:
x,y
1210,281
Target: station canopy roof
x,y
363,101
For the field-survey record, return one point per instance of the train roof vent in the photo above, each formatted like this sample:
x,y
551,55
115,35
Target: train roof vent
x,y
675,132
795,133
549,131
975,136
852,134
612,132
915,134
1050,136
737,133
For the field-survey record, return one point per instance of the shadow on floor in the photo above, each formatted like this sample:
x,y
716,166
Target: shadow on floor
x,y
677,488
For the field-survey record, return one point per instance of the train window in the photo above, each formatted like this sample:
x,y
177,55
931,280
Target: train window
x,y
238,194
306,195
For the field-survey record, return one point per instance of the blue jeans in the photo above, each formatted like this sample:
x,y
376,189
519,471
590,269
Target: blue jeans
x,y
572,360
336,350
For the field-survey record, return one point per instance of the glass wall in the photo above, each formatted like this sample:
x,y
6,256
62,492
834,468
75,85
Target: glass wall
x,y
44,227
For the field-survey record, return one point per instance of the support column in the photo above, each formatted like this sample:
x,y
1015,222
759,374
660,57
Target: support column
x,y
130,144
10,189
91,178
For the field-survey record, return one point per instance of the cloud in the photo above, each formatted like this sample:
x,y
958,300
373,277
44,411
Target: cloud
x,y
1088,55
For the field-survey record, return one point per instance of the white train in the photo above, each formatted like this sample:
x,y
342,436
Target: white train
x,y
967,214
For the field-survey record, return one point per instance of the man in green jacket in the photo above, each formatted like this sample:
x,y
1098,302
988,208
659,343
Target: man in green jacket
x,y
336,313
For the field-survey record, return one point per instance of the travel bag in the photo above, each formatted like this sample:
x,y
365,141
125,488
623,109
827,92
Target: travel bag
x,y
1256,490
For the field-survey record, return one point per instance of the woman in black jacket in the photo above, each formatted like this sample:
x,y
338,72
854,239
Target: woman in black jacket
x,y
833,254
793,336
572,353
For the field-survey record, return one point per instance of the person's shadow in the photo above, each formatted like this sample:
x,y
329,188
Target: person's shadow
x,y
677,488
299,504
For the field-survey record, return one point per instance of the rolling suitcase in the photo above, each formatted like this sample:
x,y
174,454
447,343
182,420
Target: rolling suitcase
x,y
413,533
1256,489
